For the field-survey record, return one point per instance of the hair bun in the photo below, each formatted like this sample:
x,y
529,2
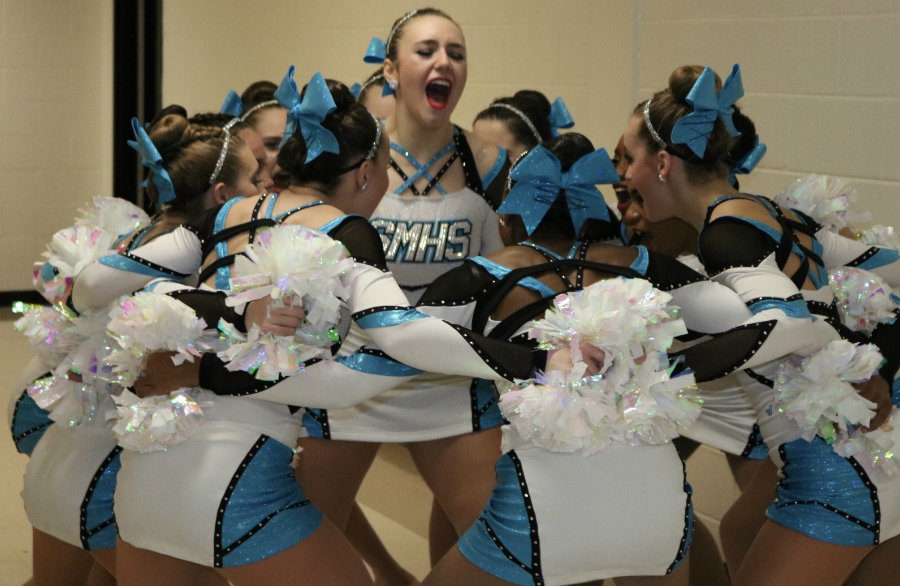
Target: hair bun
x,y
341,95
168,131
532,102
683,78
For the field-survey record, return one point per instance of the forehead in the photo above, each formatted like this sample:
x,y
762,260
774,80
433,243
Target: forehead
x,y
432,27
270,121
253,140
491,128
630,138
249,162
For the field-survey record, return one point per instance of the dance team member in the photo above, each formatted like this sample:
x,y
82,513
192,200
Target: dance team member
x,y
285,540
727,421
439,209
529,533
70,479
831,510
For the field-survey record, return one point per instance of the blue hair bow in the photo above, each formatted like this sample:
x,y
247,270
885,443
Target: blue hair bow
x,y
695,129
233,106
559,117
355,89
748,162
151,159
539,179
308,114
376,52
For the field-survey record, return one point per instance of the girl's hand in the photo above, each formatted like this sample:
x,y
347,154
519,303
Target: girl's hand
x,y
561,360
877,390
161,376
280,318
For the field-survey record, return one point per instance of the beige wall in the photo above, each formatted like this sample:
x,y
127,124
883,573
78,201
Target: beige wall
x,y
55,122
821,77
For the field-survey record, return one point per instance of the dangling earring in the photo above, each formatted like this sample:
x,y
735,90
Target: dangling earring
x,y
660,178
364,186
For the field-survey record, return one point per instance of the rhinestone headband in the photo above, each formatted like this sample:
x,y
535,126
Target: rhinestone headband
x,y
370,83
404,18
656,137
520,114
258,106
221,161
230,124
374,150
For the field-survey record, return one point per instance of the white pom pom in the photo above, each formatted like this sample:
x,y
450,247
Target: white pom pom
x,y
113,215
146,322
883,236
157,423
68,252
48,330
816,393
827,200
634,400
864,300
296,262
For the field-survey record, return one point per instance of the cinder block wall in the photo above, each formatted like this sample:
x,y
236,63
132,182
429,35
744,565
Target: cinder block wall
x,y
55,122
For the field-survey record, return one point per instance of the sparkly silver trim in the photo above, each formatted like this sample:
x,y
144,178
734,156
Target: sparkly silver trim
x,y
374,150
656,137
230,124
258,106
520,114
370,83
404,18
221,162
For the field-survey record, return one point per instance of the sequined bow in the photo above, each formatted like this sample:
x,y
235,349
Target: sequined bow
x,y
559,117
539,179
695,129
308,114
151,159
376,51
233,106
748,162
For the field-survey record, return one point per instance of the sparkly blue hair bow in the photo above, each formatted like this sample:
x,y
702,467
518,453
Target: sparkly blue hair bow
x,y
308,114
539,179
695,129
559,117
233,106
377,53
151,159
748,162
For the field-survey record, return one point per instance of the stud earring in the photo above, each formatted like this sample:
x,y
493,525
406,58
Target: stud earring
x,y
393,84
364,186
660,178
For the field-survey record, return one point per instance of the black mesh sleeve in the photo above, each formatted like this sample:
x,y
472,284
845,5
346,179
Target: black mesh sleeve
x,y
461,284
361,240
210,305
724,353
667,273
887,338
729,242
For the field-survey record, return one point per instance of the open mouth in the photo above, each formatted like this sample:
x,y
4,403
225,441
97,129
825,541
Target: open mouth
x,y
437,92
623,197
